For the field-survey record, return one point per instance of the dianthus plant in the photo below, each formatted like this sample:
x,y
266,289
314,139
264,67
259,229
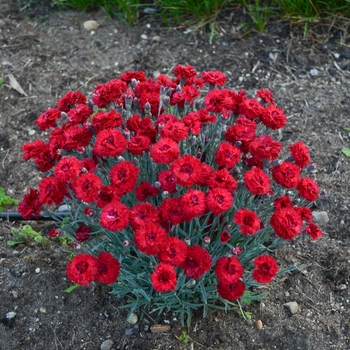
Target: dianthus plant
x,y
177,189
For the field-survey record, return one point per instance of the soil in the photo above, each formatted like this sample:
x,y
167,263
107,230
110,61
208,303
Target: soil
x,y
49,53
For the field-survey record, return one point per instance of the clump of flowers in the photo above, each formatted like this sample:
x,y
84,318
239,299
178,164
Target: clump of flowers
x,y
178,189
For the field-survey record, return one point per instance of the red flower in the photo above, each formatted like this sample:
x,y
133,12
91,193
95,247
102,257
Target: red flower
x,y
175,130
248,221
173,251
30,205
54,233
166,81
76,137
165,151
300,154
251,108
82,269
228,270
107,194
115,216
67,169
305,213
231,291
82,233
313,230
167,181
109,143
243,132
124,175
106,120
184,72
108,268
139,144
265,269
187,94
193,203
207,172
257,181
33,149
287,175
87,186
266,95
222,179
219,200
171,212
150,238
273,117
286,222
227,155
48,119
138,75
112,91
70,100
51,190
193,122
187,170
80,114
164,278
283,202
265,147
214,78
144,190
308,189
197,262
218,101
224,237
142,214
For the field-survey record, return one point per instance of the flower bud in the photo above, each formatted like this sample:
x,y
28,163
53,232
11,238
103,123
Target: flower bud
x,y
126,243
311,168
121,159
128,101
238,143
136,161
193,140
157,184
276,162
165,194
166,101
64,115
133,83
206,241
198,104
76,246
191,283
147,108
236,250
90,104
187,241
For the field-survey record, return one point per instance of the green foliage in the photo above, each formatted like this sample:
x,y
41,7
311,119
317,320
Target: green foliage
x,y
24,235
346,150
5,200
2,81
201,11
184,337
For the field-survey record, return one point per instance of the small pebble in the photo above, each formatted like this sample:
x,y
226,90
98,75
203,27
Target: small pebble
x,y
31,132
321,217
144,36
15,294
313,72
259,324
336,55
38,270
292,306
42,309
107,344
132,319
90,25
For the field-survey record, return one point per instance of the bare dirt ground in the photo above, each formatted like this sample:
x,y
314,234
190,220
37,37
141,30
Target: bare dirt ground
x,y
50,53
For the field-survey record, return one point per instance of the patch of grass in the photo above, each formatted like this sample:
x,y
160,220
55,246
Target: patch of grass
x,y
5,200
202,11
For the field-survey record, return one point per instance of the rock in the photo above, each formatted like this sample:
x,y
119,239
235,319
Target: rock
x,y
321,217
107,344
37,270
336,55
15,294
156,38
292,306
259,324
90,25
144,36
132,319
42,309
31,132
313,72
